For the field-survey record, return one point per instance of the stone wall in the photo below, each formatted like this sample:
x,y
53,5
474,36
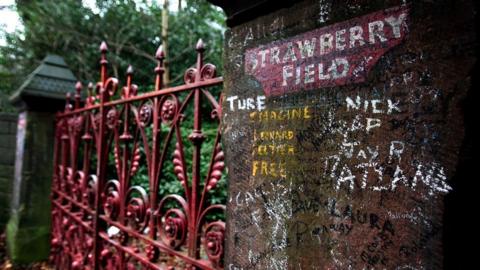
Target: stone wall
x,y
342,144
8,131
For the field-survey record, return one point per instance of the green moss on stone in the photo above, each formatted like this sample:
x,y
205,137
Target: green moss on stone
x,y
27,244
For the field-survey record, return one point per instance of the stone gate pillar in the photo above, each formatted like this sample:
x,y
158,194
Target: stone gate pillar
x,y
8,131
345,131
39,97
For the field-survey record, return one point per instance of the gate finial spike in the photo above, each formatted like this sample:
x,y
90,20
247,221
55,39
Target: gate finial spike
x,y
160,54
129,70
200,45
78,86
67,101
78,89
103,47
90,89
90,98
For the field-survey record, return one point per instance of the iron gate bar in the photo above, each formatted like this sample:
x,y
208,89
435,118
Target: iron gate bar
x,y
171,90
85,206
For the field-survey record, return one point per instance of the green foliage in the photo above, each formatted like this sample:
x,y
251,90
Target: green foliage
x,y
169,184
131,30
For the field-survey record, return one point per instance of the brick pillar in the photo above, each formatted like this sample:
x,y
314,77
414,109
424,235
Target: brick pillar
x,y
345,131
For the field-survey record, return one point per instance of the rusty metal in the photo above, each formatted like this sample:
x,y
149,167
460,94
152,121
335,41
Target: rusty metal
x,y
102,221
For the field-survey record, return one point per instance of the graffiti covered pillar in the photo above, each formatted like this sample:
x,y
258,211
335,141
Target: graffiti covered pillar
x,y
343,125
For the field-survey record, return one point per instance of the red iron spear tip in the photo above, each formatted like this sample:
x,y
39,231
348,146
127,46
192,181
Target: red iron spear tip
x,y
200,45
160,54
103,47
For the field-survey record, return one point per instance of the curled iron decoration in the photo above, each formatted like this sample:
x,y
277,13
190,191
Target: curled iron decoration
x,y
128,92
91,191
137,208
111,205
174,228
75,125
214,235
169,109
172,222
208,71
110,87
96,117
145,114
190,75
216,113
112,118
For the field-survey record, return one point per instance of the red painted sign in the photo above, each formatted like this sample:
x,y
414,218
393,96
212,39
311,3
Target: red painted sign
x,y
339,54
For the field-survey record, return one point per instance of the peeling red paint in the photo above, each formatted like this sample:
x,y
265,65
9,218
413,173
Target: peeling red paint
x,y
340,54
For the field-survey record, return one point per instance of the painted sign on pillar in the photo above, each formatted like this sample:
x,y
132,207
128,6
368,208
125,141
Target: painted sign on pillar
x,y
342,130
339,54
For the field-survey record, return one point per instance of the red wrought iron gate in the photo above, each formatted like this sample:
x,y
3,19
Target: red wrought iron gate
x,y
101,220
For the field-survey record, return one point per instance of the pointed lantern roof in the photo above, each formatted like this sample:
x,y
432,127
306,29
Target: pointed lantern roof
x,y
52,79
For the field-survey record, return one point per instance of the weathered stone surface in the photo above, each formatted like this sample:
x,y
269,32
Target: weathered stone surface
x,y
8,154
8,128
351,176
40,96
29,225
